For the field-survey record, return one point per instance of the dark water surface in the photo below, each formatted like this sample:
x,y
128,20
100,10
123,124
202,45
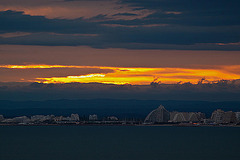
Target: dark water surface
x,y
119,143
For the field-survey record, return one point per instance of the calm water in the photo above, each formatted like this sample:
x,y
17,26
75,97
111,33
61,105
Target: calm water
x,y
118,143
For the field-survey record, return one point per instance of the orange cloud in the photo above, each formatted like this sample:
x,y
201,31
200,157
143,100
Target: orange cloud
x,y
136,76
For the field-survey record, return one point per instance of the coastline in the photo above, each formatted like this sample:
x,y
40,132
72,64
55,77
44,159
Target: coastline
x,y
141,125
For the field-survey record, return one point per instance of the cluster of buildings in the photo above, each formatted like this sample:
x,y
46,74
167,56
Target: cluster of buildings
x,y
38,119
51,119
219,117
161,115
93,117
157,116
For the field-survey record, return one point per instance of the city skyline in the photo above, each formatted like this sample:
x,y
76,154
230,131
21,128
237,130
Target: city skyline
x,y
157,116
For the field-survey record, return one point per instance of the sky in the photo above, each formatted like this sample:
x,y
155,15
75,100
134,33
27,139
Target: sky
x,y
120,42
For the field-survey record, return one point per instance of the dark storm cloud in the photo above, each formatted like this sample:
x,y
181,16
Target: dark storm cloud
x,y
131,38
204,25
12,21
188,12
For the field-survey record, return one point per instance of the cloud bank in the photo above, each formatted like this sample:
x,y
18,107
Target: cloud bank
x,y
219,91
129,24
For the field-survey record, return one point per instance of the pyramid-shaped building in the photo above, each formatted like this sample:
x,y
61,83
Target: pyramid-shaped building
x,y
158,115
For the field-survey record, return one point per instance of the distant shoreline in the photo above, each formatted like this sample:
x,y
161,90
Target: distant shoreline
x,y
149,125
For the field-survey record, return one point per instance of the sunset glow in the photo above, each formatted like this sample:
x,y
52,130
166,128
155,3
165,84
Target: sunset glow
x,y
135,76
119,49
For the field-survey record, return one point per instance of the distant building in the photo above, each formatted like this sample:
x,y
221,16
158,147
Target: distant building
x,y
217,116
42,118
58,118
112,118
208,121
1,118
62,119
158,115
186,116
22,119
37,118
237,116
229,117
74,117
177,117
93,117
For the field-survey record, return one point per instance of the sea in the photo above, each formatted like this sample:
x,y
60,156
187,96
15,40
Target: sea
x,y
119,143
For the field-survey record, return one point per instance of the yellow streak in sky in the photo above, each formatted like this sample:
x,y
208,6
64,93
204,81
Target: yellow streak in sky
x,y
41,66
87,76
137,76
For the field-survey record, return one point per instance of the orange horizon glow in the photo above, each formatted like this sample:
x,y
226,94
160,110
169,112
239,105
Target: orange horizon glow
x,y
137,75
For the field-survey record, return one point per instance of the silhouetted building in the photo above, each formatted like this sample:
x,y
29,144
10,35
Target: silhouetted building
x,y
22,119
93,117
1,118
158,115
186,116
112,118
42,118
62,119
237,116
217,116
177,117
74,117
229,117
208,121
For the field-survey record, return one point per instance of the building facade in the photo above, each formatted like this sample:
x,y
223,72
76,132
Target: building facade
x,y
219,116
186,116
159,115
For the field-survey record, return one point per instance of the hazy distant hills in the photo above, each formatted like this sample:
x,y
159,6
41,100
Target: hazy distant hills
x,y
106,107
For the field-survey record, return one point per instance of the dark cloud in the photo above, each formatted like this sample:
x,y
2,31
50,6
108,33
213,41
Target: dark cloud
x,y
203,8
125,14
132,38
188,25
12,21
220,91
